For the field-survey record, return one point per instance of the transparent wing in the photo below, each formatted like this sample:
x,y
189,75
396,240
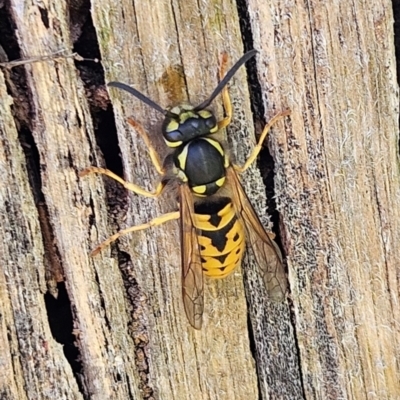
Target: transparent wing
x,y
192,272
266,252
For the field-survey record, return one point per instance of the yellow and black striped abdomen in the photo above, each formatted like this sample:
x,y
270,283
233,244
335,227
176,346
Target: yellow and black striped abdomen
x,y
221,237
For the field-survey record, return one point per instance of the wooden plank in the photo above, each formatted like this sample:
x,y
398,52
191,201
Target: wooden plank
x,y
61,128
153,64
337,187
31,360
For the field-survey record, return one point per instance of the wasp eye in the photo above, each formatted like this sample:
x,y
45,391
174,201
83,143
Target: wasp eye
x,y
211,122
175,136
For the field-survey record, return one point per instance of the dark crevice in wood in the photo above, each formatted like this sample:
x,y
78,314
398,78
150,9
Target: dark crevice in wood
x,y
8,41
56,299
61,326
23,113
253,348
137,324
45,16
101,110
265,160
396,15
15,78
32,162
129,385
297,345
92,75
103,306
52,260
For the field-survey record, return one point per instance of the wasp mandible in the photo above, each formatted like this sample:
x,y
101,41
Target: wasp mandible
x,y
214,228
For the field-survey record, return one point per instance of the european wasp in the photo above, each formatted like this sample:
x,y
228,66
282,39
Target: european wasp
x,y
214,228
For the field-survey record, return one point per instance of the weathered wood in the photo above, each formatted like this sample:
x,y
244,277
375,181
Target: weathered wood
x,y
61,128
31,360
336,186
220,352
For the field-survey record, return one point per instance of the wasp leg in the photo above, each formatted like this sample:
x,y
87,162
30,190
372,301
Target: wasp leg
x,y
225,94
154,222
131,186
127,185
153,154
258,147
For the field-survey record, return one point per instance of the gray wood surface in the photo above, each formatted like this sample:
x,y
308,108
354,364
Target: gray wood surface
x,y
336,177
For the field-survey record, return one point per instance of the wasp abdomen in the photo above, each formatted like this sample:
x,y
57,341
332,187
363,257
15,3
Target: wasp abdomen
x,y
221,237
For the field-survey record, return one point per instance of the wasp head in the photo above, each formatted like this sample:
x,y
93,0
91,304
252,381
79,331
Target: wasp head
x,y
184,123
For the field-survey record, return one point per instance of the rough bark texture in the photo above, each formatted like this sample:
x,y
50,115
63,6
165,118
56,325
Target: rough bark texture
x,y
119,316
337,185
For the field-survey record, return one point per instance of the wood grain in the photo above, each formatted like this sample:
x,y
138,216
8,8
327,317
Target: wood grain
x,y
336,180
337,188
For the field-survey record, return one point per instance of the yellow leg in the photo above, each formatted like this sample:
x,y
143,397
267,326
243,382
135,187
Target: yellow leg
x,y
154,222
258,147
127,185
153,154
225,94
131,186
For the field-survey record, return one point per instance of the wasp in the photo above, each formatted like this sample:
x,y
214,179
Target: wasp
x,y
214,227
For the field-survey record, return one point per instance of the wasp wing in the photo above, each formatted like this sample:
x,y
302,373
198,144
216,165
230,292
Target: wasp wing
x,y
192,272
266,252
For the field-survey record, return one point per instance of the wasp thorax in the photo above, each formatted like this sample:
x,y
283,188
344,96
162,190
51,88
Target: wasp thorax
x,y
202,163
184,124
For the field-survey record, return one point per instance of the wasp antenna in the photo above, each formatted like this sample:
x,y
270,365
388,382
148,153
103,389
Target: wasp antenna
x,y
246,57
138,95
